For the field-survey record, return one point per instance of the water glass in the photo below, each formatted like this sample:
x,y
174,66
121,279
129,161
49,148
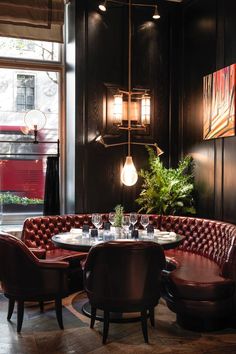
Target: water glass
x,y
97,220
144,221
125,225
111,217
133,219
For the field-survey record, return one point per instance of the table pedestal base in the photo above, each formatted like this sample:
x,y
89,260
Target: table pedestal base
x,y
115,317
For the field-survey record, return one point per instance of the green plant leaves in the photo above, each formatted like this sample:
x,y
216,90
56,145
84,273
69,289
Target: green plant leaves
x,y
119,212
9,198
167,191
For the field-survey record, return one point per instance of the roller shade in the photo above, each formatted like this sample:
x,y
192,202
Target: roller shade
x,y
32,19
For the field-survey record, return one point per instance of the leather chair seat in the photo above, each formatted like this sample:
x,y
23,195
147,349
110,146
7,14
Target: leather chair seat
x,y
197,278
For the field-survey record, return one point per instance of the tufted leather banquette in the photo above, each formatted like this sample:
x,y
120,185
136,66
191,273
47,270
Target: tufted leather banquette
x,y
200,289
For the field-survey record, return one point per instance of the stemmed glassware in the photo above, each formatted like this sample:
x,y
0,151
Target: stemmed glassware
x,y
97,221
111,217
133,219
125,225
144,221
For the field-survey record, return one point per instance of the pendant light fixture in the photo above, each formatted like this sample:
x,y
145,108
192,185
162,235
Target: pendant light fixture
x,y
126,104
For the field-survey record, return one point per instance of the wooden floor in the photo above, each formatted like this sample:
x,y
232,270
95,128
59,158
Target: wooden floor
x,y
41,335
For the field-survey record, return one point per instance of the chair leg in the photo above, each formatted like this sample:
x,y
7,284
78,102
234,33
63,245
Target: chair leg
x,y
105,326
58,305
152,317
11,304
93,316
20,314
41,306
144,325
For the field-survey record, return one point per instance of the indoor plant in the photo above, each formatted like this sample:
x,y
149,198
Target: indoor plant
x,y
119,213
167,190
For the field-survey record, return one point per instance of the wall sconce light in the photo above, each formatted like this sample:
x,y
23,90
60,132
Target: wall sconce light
x,y
131,108
156,14
103,6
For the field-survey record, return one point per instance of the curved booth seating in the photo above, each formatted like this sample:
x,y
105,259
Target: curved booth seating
x,y
124,277
201,288
24,277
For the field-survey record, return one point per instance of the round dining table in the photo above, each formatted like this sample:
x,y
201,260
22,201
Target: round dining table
x,y
82,242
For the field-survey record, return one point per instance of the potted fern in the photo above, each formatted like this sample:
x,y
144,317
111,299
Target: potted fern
x,y
167,190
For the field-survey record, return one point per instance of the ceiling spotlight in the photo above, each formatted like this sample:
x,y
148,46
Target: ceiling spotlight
x,y
156,14
103,6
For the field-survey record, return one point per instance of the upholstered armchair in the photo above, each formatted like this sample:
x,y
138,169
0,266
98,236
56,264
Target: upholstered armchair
x,y
24,277
124,277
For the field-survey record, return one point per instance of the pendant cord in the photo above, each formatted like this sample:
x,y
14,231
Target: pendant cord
x,y
129,75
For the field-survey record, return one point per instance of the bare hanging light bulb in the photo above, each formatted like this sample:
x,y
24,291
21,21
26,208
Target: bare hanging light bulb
x,y
103,6
129,174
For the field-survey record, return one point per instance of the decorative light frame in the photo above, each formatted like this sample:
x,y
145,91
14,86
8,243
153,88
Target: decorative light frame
x,y
118,106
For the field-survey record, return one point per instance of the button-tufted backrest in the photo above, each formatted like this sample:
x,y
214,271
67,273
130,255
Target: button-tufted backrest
x,y
209,238
38,231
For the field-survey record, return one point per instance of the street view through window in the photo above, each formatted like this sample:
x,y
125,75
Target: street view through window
x,y
23,162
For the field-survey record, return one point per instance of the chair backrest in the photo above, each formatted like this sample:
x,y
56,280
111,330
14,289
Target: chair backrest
x,y
20,273
124,273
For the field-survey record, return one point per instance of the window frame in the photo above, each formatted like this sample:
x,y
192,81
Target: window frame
x,y
53,66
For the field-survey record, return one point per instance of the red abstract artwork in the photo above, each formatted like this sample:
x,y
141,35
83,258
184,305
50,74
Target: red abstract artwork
x,y
219,103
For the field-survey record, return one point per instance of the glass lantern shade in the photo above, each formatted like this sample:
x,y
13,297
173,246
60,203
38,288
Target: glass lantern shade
x,y
117,109
145,109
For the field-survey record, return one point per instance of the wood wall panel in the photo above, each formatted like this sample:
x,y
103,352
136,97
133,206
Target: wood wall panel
x,y
199,49
101,57
209,44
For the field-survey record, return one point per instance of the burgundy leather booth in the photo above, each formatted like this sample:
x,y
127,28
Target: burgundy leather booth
x,y
201,289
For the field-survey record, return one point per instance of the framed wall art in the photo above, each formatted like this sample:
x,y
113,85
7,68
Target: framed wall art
x,y
219,103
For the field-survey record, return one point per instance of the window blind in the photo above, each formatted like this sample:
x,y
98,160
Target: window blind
x,y
32,19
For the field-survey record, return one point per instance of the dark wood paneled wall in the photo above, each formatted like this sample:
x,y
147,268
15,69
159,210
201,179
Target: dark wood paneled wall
x,y
209,43
101,57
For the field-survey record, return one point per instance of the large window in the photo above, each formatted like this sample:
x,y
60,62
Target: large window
x,y
24,87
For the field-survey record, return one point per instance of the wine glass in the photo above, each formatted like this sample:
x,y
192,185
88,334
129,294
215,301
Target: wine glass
x,y
96,220
144,221
126,224
133,219
111,217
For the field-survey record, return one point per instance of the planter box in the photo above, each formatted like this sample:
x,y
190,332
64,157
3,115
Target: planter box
x,y
22,208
